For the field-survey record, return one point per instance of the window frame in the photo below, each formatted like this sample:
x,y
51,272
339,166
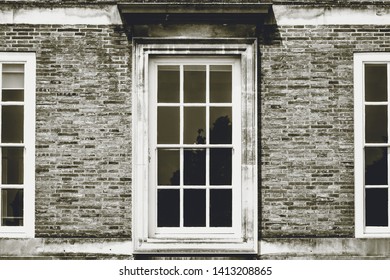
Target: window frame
x,y
245,242
28,186
230,232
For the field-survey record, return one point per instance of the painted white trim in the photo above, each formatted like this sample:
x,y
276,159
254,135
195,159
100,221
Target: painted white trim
x,y
28,186
359,127
182,232
246,243
59,16
293,15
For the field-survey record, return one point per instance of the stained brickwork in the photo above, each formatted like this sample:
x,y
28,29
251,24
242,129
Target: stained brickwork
x,y
83,127
307,127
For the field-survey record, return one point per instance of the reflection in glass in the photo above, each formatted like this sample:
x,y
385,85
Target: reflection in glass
x,y
220,125
12,124
194,83
168,86
11,207
375,82
375,166
13,95
195,167
168,167
376,124
168,208
13,80
12,165
220,207
168,125
194,125
194,208
221,166
377,207
221,83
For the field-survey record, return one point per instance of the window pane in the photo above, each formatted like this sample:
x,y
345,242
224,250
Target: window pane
x,y
221,208
168,208
13,80
13,95
194,208
221,83
194,125
11,207
168,83
194,83
376,82
220,125
376,207
12,124
168,125
168,167
12,165
376,124
195,167
221,166
376,166
13,67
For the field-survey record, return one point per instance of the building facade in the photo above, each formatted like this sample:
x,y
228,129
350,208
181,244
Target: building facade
x,y
215,129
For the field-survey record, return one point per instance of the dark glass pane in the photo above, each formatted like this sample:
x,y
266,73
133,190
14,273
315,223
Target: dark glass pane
x,y
168,167
194,208
12,165
168,208
168,125
221,83
221,208
195,167
194,83
375,82
376,124
375,166
13,67
194,125
11,207
168,87
12,124
13,80
13,95
220,125
221,166
376,207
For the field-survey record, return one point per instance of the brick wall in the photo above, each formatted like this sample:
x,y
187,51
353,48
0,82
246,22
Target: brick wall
x,y
307,186
83,127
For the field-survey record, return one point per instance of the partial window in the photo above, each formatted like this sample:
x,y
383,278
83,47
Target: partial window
x,y
17,134
195,149
372,144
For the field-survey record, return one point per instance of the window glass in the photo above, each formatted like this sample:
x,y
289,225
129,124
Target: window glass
x,y
376,124
221,83
194,83
12,207
377,207
168,85
375,82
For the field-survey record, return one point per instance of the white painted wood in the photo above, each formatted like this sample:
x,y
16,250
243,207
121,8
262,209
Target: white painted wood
x,y
242,237
28,228
362,231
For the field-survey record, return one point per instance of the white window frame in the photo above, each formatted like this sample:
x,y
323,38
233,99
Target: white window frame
x,y
28,186
243,239
360,59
